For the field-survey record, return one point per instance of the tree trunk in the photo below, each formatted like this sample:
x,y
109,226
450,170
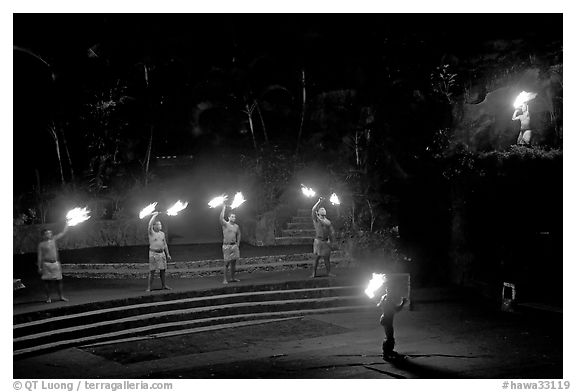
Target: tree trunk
x,y
372,216
52,129
357,150
461,257
149,150
39,200
69,157
146,75
249,114
303,111
148,155
261,121
353,214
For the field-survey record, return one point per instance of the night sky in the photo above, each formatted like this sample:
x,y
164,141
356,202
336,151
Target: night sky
x,y
86,51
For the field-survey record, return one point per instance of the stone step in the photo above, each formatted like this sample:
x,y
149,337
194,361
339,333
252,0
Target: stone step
x,y
141,270
304,212
302,219
197,263
203,307
294,241
181,312
300,225
298,233
182,294
172,321
183,328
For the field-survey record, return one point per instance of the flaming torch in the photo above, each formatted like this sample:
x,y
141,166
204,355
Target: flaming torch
x,y
148,210
334,199
375,283
238,200
77,215
217,201
308,192
176,208
523,98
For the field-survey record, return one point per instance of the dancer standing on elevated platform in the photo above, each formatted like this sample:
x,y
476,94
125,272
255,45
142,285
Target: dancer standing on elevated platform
x,y
525,135
158,253
230,244
49,266
324,238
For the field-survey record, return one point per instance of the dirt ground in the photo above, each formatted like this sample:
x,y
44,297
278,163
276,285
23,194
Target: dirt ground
x,y
445,340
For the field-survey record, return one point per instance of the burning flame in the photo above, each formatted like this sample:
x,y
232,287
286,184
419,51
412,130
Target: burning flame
x,y
217,201
334,199
238,200
77,215
375,283
308,192
524,97
176,208
148,210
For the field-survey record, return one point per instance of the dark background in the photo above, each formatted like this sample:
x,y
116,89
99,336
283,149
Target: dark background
x,y
183,50
511,218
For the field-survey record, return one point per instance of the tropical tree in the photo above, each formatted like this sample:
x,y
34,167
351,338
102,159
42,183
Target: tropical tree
x,y
303,110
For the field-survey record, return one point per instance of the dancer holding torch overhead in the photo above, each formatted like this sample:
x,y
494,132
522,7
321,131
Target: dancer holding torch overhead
x,y
324,237
523,114
49,266
158,253
230,244
48,262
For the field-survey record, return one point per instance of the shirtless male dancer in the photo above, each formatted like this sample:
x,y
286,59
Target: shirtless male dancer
x,y
230,244
158,255
324,239
49,263
525,134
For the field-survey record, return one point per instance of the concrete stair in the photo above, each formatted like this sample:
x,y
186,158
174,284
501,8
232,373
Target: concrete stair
x,y
181,312
303,219
200,268
300,230
307,233
295,241
299,226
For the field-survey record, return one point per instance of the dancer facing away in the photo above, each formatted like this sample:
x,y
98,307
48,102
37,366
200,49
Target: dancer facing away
x,y
324,238
49,262
230,244
158,253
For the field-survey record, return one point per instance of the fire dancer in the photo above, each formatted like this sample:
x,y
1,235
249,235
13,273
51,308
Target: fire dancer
x,y
49,264
523,114
230,244
158,253
324,237
390,303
